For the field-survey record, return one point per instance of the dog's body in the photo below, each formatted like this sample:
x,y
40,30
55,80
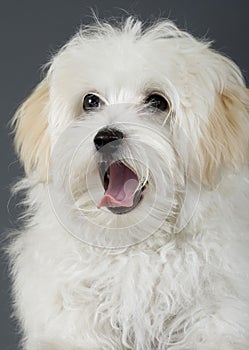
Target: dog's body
x,y
158,258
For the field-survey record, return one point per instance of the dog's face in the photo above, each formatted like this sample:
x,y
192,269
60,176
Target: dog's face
x,y
127,122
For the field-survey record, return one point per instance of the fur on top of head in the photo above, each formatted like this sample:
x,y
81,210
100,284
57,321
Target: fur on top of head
x,y
205,89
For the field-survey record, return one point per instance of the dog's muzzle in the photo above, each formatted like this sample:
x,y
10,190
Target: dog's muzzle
x,y
121,183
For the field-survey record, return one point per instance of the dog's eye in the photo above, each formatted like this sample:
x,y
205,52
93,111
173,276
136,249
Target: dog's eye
x,y
91,102
157,101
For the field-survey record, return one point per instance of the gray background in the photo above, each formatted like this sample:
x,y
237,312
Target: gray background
x,y
31,30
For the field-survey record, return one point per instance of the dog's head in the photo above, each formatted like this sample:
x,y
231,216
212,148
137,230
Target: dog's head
x,y
125,118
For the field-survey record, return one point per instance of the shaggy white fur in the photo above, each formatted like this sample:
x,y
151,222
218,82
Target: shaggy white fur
x,y
170,271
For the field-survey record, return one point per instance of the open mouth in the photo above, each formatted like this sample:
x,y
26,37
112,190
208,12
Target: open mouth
x,y
123,190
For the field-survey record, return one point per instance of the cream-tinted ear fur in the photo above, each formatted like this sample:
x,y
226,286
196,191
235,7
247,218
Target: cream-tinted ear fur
x,y
32,141
224,140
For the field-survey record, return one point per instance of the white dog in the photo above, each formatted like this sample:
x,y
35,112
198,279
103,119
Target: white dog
x,y
135,147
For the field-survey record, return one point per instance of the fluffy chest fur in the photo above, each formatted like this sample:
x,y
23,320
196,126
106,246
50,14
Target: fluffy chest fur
x,y
160,294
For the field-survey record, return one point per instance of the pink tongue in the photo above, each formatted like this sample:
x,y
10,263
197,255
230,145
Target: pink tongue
x,y
123,183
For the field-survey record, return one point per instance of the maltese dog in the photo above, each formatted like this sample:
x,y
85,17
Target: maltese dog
x,y
135,149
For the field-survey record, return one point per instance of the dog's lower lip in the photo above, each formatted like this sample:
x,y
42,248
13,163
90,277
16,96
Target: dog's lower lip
x,y
125,210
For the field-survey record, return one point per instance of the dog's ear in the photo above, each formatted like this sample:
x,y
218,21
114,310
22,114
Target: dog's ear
x,y
30,123
224,138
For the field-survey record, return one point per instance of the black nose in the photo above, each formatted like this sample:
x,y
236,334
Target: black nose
x,y
107,136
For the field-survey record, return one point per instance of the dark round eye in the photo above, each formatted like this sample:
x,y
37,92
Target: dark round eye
x,y
157,101
91,102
